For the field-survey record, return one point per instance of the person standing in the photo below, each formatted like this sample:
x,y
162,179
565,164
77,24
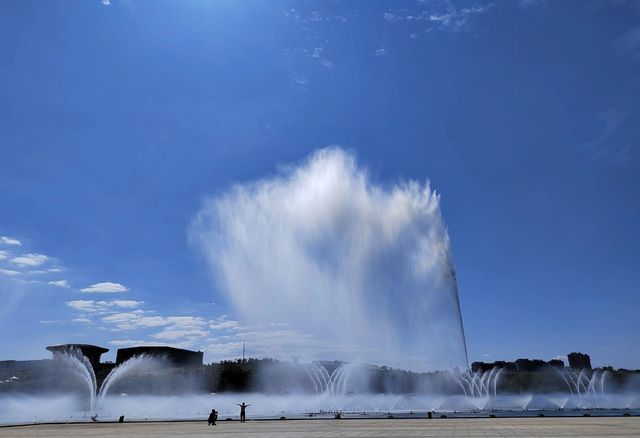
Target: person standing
x,y
243,411
213,417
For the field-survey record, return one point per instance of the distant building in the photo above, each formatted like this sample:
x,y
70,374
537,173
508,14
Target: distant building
x,y
556,363
530,364
91,352
486,366
176,356
579,361
518,365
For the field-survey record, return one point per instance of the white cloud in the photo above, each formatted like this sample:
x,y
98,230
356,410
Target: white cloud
x,y
223,323
132,342
126,303
175,328
187,321
133,320
183,327
3,255
102,306
31,259
8,272
340,259
83,305
174,334
381,51
106,287
60,283
105,2
9,241
54,270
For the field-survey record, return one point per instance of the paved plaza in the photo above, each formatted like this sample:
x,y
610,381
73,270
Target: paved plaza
x,y
459,427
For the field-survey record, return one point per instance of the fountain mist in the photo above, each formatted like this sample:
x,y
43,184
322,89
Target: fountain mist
x,y
366,267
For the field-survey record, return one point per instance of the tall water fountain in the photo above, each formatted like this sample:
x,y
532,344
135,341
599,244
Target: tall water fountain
x,y
80,366
368,267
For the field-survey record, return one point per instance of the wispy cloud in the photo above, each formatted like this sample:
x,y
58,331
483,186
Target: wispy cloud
x,y
132,342
314,31
437,16
183,327
174,334
54,270
221,337
9,241
628,43
3,255
60,283
531,3
127,303
82,320
105,2
31,259
277,342
381,51
92,306
605,146
133,320
106,287
315,16
223,323
175,327
8,272
84,305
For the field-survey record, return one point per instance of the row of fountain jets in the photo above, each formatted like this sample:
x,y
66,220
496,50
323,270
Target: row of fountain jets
x,y
473,384
485,383
478,384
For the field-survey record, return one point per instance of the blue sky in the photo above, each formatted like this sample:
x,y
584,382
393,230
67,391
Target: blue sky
x,y
119,119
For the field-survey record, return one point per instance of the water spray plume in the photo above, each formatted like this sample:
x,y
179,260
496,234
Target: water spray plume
x,y
362,269
79,365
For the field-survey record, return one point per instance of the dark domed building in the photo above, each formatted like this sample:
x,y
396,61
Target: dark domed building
x,y
91,352
176,356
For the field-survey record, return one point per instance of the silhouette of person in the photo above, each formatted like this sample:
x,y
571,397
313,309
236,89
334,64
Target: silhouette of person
x,y
243,413
213,417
